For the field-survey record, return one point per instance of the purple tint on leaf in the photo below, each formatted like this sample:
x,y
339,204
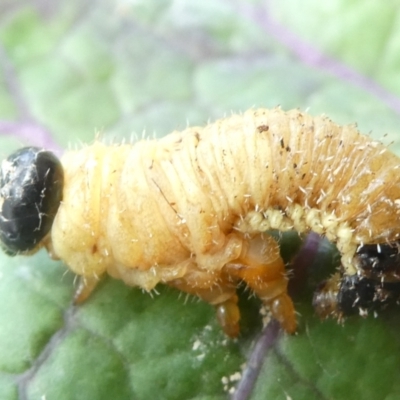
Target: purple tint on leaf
x,y
264,344
302,261
29,134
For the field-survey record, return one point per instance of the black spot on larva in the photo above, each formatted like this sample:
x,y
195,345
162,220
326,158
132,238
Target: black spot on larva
x,y
375,286
31,184
377,260
262,128
294,165
357,293
287,149
282,143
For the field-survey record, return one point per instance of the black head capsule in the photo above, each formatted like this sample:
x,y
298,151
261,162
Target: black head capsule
x,y
31,184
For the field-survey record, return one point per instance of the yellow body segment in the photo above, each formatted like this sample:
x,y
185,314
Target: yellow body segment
x,y
190,210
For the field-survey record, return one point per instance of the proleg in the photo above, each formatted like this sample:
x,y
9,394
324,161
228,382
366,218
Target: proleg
x,y
194,210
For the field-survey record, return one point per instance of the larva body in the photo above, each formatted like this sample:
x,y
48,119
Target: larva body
x,y
191,210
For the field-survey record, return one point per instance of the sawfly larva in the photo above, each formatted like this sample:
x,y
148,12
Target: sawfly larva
x,y
193,210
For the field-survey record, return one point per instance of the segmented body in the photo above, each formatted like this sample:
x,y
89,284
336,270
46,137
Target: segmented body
x,y
179,209
189,209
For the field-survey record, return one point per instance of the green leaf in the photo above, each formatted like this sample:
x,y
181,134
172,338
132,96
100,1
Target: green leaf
x,y
71,70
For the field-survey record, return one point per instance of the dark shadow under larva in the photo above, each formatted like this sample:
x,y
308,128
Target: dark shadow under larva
x,y
193,211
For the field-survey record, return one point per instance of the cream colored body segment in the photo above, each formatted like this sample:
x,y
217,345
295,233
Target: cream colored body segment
x,y
180,209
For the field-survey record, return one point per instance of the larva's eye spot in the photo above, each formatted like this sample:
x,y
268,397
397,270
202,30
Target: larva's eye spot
x,y
31,183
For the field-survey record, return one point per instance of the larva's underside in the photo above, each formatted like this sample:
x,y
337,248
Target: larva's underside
x,y
192,210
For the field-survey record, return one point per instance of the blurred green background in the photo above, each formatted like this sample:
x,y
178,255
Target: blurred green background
x,y
71,70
